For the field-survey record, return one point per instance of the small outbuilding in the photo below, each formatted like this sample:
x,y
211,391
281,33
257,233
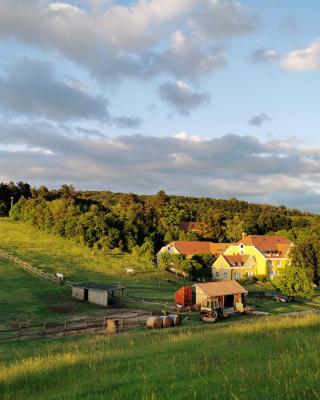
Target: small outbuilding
x,y
228,294
97,293
184,297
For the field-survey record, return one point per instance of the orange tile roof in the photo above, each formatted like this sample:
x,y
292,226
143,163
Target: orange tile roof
x,y
214,289
190,248
270,246
236,259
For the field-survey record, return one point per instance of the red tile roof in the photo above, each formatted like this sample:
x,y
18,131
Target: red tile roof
x,y
234,260
270,246
191,248
214,289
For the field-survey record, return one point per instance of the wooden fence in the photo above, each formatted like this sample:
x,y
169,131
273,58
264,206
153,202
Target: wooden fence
x,y
69,327
34,270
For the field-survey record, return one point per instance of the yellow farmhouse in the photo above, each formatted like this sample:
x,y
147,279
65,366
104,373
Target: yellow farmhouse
x,y
253,255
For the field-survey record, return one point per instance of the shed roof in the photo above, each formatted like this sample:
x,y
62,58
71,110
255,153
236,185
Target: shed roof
x,y
214,289
97,286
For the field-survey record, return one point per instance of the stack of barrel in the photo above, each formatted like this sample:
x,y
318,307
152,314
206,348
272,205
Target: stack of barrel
x,y
165,321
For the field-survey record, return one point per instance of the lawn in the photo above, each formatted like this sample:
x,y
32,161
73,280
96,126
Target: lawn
x,y
267,358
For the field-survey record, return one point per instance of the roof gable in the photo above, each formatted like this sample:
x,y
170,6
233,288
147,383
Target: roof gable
x,y
270,246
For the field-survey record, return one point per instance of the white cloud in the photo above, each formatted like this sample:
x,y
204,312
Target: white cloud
x,y
228,166
307,59
135,41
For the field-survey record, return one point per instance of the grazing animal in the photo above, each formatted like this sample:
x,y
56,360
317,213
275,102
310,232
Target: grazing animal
x,y
59,276
129,271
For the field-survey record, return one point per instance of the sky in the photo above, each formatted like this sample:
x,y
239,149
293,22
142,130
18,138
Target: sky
x,y
215,98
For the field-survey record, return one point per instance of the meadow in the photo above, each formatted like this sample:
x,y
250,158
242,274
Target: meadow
x,y
31,299
266,358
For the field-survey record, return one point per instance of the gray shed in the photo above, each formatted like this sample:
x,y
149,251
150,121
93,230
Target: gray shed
x,y
97,293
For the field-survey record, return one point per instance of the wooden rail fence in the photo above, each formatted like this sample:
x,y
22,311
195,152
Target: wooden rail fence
x,y
34,270
69,327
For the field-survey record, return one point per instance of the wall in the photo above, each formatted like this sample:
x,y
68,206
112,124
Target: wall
x,y
78,293
97,297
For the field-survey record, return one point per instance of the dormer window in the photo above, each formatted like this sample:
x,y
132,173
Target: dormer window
x,y
241,248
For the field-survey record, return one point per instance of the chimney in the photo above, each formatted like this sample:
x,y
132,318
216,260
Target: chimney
x,y
244,235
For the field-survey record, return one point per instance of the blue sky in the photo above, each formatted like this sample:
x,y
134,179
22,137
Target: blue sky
x,y
197,97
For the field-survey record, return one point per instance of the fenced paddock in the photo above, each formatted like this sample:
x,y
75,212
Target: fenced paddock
x,y
71,327
32,269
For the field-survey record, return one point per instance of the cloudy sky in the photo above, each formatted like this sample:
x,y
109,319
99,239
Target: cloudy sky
x,y
198,97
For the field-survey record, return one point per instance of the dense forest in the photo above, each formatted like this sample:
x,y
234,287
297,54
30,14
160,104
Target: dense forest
x,y
143,223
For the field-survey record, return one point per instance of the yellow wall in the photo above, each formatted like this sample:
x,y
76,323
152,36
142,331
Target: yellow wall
x,y
227,273
261,261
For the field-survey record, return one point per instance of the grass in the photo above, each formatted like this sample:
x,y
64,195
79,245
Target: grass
x,y
272,306
23,296
28,298
268,358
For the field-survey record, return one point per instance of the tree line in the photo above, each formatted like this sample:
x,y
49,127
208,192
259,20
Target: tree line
x,y
142,224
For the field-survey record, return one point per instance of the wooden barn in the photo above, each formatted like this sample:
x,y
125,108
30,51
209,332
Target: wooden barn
x,y
98,294
228,294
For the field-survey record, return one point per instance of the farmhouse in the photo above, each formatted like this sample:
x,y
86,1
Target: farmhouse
x,y
191,248
228,294
98,294
253,255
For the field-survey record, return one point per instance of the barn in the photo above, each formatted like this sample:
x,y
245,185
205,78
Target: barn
x,y
97,293
228,294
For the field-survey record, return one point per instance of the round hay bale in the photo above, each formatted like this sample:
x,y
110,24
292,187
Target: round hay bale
x,y
177,320
154,322
167,322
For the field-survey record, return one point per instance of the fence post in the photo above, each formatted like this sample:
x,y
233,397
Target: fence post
x,y
19,334
121,324
136,318
104,323
85,324
65,327
43,329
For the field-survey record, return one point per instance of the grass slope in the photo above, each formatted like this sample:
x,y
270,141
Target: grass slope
x,y
30,298
268,358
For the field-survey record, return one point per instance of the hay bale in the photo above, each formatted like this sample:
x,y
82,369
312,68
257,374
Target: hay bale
x,y
113,326
167,322
176,319
154,322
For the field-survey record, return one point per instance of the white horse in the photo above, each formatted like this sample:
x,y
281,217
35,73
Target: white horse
x,y
129,271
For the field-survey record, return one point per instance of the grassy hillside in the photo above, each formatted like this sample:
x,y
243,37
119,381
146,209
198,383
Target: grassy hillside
x,y
26,297
268,358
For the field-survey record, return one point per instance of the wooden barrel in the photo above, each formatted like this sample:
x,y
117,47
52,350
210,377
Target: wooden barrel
x,y
113,326
154,322
176,319
167,322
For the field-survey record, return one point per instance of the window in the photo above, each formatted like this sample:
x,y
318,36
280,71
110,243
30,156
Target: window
x,y
278,263
250,273
225,275
241,248
237,275
217,275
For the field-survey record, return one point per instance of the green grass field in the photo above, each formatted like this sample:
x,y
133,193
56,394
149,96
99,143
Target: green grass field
x,y
270,358
31,299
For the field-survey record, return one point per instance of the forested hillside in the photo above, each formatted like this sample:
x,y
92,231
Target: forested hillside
x,y
144,223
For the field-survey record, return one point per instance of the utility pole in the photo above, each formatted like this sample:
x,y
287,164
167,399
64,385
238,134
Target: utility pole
x,y
11,203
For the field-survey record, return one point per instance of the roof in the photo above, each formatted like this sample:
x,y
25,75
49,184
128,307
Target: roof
x,y
235,260
214,289
98,287
271,246
192,226
191,248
